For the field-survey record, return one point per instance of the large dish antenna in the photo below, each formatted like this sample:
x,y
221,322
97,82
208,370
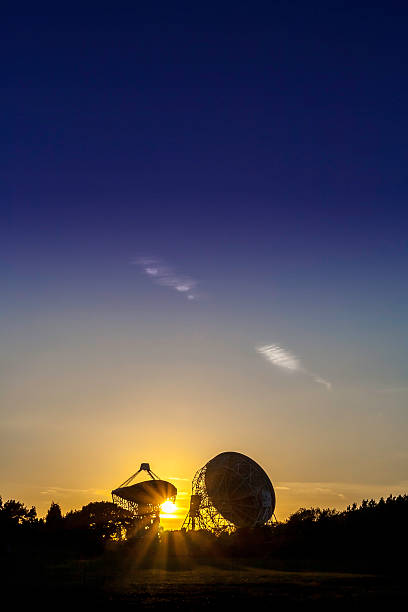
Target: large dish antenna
x,y
144,499
230,492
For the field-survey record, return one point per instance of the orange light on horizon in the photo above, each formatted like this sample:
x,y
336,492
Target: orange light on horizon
x,y
168,509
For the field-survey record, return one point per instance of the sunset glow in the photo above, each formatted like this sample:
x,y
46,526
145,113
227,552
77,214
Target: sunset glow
x,y
168,508
203,251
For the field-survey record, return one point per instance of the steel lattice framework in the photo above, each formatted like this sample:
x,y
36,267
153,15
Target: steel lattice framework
x,y
145,498
231,491
139,511
202,513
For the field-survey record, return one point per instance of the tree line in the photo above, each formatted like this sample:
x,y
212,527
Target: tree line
x,y
372,534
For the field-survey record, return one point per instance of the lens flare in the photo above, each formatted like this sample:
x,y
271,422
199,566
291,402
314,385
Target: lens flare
x,y
168,507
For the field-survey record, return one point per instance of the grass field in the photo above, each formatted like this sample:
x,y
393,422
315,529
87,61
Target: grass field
x,y
208,586
228,586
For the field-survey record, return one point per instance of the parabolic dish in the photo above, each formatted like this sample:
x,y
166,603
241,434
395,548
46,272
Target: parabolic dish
x,y
239,489
153,492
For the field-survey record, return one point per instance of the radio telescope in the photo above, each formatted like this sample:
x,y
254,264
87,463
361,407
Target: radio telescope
x,y
144,499
231,491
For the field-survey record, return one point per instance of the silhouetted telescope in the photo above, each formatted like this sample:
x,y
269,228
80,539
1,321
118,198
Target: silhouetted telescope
x,y
230,492
144,498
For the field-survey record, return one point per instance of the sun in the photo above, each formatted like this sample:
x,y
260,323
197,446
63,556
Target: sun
x,y
168,507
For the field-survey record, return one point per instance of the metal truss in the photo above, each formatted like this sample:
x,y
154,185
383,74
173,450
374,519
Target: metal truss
x,y
202,514
144,467
135,508
145,516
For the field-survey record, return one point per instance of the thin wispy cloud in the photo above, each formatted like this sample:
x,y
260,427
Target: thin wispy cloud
x,y
164,275
282,358
66,491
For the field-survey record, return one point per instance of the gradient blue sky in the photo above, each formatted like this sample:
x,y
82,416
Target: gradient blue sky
x,y
261,150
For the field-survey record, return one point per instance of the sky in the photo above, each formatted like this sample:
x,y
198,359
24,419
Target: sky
x,y
203,247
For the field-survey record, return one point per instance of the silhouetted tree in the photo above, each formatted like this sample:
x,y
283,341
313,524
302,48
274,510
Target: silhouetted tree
x,y
14,513
17,525
373,535
53,520
104,519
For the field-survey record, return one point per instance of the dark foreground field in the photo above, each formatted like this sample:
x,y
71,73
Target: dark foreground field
x,y
92,585
318,559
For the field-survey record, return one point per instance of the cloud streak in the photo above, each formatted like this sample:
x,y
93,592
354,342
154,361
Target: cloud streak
x,y
66,491
164,275
283,359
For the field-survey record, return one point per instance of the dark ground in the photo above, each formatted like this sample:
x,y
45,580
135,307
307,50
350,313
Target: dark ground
x,y
320,559
231,584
